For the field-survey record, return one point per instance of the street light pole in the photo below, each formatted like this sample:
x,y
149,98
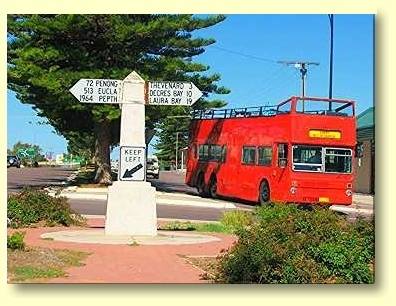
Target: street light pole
x,y
177,139
303,71
331,19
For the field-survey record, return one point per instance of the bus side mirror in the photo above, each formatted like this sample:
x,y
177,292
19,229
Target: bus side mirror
x,y
359,150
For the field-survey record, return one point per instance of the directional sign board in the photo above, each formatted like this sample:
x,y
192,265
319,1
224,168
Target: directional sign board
x,y
172,93
27,152
132,164
97,91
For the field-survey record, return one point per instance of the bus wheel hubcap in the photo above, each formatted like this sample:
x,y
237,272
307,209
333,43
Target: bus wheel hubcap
x,y
264,192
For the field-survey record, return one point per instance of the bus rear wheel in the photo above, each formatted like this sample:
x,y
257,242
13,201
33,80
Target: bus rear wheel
x,y
201,187
264,193
213,187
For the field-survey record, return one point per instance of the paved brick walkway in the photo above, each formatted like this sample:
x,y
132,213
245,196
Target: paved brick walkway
x,y
131,264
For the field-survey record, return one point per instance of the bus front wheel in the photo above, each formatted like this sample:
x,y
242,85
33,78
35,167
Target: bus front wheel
x,y
264,193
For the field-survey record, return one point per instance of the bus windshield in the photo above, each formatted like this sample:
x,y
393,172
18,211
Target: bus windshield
x,y
321,159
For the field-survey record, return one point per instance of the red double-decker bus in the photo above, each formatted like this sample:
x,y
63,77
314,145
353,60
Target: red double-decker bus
x,y
299,151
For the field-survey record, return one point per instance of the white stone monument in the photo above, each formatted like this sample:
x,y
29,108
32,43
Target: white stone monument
x,y
131,207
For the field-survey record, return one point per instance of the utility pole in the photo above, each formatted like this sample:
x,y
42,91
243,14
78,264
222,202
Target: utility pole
x,y
303,68
177,148
331,19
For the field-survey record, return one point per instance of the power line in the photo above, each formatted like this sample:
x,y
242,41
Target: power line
x,y
256,90
271,82
244,54
280,85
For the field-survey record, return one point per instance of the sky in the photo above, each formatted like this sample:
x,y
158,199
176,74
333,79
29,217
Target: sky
x,y
246,54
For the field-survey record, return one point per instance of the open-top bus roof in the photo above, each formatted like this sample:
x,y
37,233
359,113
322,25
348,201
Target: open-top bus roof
x,y
272,110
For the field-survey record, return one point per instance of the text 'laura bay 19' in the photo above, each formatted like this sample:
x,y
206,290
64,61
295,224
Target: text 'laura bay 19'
x,y
172,93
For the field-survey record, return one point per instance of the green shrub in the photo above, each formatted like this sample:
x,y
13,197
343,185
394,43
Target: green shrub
x,y
236,220
287,244
30,207
15,241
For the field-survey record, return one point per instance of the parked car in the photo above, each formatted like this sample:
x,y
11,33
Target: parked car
x,y
152,166
114,165
13,161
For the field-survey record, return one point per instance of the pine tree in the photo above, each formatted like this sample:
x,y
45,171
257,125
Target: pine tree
x,y
48,54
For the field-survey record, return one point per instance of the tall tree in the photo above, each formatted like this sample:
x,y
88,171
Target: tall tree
x,y
27,152
81,144
47,54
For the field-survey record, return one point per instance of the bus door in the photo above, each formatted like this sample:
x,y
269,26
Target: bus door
x,y
279,173
226,174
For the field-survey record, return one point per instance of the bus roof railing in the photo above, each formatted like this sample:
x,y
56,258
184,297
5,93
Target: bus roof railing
x,y
270,110
243,112
322,99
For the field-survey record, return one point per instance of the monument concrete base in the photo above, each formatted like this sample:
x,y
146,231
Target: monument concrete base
x,y
131,209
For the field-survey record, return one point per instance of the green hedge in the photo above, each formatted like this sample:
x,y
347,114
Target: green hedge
x,y
288,244
31,207
16,241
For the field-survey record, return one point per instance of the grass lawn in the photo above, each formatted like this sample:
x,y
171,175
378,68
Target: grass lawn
x,y
209,265
35,265
209,227
85,178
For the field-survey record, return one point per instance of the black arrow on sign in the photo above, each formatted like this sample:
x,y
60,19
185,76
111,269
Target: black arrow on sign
x,y
128,173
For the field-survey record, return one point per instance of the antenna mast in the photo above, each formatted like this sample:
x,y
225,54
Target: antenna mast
x,y
303,68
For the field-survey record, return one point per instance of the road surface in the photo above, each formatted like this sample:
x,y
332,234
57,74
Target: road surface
x,y
41,177
55,176
171,183
98,208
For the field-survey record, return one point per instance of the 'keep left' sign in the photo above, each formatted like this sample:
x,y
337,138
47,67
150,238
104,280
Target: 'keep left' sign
x,y
132,164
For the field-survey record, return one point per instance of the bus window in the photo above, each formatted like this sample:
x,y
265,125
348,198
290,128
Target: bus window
x,y
223,153
215,152
318,159
264,156
282,155
203,152
208,152
307,158
249,155
338,160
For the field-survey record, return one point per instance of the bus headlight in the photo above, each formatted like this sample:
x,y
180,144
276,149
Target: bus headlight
x,y
348,192
293,190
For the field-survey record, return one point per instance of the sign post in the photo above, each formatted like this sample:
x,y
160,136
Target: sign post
x,y
131,207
